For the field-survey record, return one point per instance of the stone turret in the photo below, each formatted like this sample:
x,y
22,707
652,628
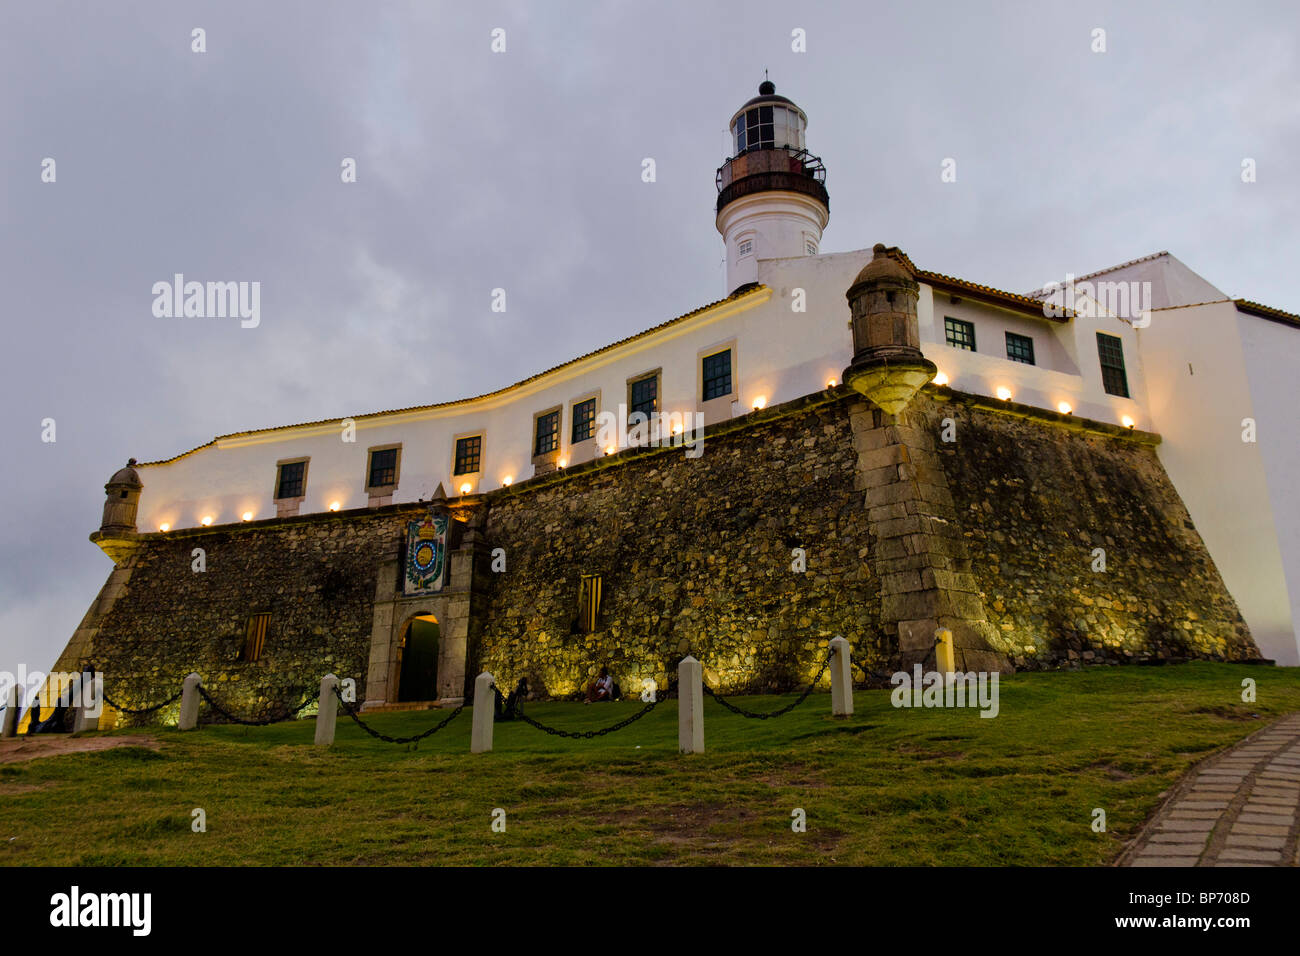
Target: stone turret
x,y
117,534
888,367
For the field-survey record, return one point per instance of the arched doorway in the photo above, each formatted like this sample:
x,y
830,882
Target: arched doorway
x,y
418,665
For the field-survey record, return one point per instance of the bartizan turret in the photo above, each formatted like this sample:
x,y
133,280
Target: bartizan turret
x,y
888,367
117,534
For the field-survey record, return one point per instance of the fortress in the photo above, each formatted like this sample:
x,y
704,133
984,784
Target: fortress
x,y
844,444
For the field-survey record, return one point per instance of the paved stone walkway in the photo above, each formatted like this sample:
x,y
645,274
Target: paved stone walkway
x,y
1241,808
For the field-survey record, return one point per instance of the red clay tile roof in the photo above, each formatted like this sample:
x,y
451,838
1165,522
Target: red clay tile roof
x,y
739,294
1267,312
1007,300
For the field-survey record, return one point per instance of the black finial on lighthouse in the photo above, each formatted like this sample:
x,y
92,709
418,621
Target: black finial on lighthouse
x,y
767,87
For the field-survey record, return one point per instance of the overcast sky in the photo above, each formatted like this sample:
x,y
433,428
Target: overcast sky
x,y
522,170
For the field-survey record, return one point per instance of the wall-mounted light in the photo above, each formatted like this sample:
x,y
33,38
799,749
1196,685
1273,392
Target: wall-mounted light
x,y
247,516
760,402
207,520
562,462
941,378
164,527
1064,408
1128,421
334,506
830,383
1004,393
466,488
677,429
507,479
610,450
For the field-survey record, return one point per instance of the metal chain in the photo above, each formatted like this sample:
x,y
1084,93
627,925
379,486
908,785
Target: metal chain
x,y
351,712
239,720
869,675
588,734
776,713
141,710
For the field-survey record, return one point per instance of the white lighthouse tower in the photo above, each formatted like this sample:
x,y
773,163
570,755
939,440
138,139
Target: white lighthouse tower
x,y
772,199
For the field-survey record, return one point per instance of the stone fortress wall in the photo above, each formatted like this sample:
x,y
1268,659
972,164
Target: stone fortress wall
x,y
884,509
991,534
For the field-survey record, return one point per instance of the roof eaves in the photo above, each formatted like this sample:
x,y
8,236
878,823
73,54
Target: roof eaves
x,y
739,294
1267,312
1000,297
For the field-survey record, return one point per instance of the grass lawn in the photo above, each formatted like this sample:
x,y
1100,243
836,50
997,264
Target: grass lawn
x,y
886,786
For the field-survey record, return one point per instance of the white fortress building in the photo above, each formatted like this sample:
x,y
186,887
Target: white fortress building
x,y
1147,345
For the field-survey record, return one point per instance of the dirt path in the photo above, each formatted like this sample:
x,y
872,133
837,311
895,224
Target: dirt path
x,y
18,749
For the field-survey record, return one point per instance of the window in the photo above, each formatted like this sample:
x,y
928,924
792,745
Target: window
x,y
1111,352
810,247
589,603
468,453
255,638
758,128
291,481
644,395
584,420
960,334
717,374
768,126
383,468
547,434
1020,348
746,247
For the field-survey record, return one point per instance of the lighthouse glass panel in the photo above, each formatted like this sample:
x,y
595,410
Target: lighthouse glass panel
x,y
794,131
758,128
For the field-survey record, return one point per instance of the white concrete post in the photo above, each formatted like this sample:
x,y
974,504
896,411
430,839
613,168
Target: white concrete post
x,y
9,726
327,713
841,678
190,702
87,718
944,657
485,711
690,706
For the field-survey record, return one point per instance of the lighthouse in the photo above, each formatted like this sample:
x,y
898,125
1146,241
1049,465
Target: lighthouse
x,y
772,199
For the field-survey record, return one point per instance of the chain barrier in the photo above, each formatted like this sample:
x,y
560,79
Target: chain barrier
x,y
250,723
588,734
356,718
870,675
775,713
141,710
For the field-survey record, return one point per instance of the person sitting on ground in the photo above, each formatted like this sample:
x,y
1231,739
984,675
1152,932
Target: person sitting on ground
x,y
509,708
34,717
602,688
